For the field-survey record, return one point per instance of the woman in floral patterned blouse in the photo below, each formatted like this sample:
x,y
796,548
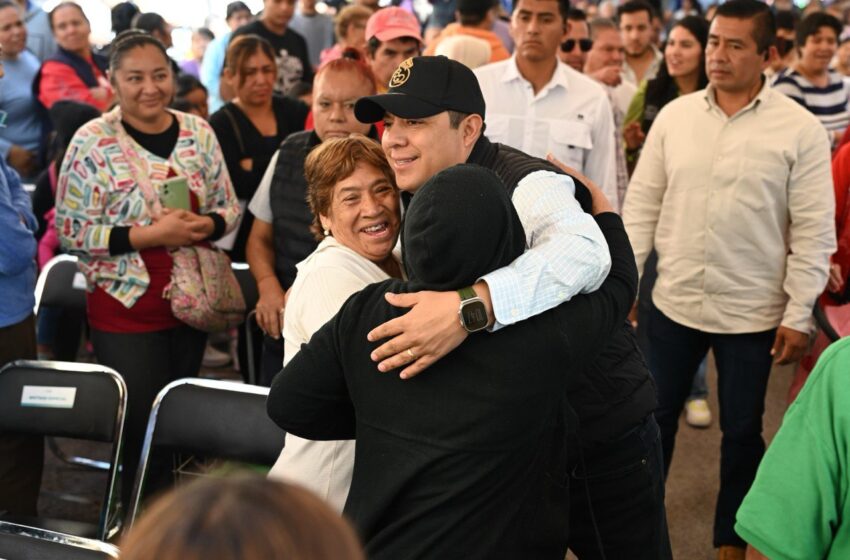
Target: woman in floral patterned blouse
x,y
110,213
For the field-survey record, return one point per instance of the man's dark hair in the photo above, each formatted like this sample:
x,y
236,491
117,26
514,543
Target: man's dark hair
x,y
575,14
635,7
187,83
455,118
813,23
764,24
564,8
786,19
149,22
473,12
235,7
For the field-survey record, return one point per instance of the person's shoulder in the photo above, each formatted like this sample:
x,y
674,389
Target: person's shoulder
x,y
793,115
297,140
685,104
29,59
255,27
578,80
289,106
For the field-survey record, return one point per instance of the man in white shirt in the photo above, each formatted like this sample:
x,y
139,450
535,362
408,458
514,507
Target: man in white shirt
x,y
604,64
733,190
538,105
642,57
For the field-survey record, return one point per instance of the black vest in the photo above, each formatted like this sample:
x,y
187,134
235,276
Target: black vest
x,y
291,215
616,393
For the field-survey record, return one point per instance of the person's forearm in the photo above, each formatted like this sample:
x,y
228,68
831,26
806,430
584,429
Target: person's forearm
x,y
259,252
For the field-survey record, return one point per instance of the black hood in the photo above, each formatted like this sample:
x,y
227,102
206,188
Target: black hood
x,y
460,225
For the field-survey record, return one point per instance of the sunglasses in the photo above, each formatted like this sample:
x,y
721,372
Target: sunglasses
x,y
570,44
784,45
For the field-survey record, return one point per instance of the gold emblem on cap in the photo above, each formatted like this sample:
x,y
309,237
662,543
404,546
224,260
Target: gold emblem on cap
x,y
402,73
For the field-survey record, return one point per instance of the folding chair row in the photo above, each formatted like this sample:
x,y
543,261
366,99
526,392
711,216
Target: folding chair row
x,y
19,542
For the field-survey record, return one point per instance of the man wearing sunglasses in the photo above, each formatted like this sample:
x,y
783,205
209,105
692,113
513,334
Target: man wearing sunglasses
x,y
538,105
574,50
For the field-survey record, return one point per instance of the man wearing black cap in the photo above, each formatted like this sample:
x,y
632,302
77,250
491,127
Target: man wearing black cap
x,y
434,118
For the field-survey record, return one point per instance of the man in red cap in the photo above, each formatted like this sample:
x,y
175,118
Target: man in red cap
x,y
393,35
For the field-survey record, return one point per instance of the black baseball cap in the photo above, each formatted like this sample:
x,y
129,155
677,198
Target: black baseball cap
x,y
424,86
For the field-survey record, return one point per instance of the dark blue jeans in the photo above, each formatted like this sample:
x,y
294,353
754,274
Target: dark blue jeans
x,y
617,498
743,367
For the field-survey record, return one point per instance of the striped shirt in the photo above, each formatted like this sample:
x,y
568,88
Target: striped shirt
x,y
829,104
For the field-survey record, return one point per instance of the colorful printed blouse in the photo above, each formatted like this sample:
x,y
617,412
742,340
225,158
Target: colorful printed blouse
x,y
97,190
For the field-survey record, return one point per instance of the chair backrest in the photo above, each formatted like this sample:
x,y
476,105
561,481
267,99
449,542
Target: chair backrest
x,y
61,284
219,419
246,281
31,543
66,399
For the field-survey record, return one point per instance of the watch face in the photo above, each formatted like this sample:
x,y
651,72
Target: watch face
x,y
474,316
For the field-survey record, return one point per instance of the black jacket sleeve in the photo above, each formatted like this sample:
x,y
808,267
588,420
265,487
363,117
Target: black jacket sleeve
x,y
310,398
589,320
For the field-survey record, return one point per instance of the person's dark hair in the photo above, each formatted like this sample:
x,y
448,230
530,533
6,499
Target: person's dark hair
x,y
62,5
150,22
764,24
635,7
187,83
240,518
129,40
455,118
242,48
813,23
236,7
786,19
206,32
67,117
182,104
576,14
662,89
9,4
473,12
300,89
564,8
122,16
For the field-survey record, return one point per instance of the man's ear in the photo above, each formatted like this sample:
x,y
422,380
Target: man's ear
x,y
770,54
471,128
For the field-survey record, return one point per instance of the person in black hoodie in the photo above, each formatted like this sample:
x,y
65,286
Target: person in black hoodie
x,y
467,461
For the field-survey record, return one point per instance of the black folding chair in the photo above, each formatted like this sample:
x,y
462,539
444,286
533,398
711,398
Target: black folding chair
x,y
251,294
211,419
20,542
823,322
64,399
61,284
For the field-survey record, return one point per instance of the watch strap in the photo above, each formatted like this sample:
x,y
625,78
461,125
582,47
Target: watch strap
x,y
467,293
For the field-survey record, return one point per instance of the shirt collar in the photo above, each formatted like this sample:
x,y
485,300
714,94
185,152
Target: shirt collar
x,y
762,96
559,78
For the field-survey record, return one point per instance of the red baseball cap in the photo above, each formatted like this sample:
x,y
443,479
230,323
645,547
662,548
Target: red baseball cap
x,y
393,23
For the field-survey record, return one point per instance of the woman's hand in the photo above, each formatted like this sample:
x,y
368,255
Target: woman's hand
x,y
599,201
270,306
634,136
175,228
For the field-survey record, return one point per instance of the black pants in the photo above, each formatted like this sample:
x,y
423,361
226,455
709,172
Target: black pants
x,y
147,362
272,360
21,456
617,498
743,368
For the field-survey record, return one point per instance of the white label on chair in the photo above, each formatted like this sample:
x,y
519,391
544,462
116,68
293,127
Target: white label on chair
x,y
48,397
79,281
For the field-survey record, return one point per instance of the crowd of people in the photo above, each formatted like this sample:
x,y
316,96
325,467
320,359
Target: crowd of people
x,y
492,251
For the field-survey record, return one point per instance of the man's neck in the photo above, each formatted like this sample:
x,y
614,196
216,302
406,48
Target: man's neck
x,y
277,30
730,102
819,77
641,63
537,73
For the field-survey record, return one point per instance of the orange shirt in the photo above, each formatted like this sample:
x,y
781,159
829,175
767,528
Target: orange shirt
x,y
497,48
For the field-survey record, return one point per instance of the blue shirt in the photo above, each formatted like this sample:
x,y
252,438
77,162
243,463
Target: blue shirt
x,y
39,35
19,120
17,249
211,68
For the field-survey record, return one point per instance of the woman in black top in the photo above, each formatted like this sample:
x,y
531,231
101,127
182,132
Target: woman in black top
x,y
467,460
251,127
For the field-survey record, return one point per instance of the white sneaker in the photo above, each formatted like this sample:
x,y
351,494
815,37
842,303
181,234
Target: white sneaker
x,y
214,357
697,413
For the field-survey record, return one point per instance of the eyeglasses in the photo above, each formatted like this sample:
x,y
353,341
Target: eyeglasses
x,y
570,44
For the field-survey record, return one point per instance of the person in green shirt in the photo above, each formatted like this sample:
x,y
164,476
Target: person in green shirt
x,y
799,505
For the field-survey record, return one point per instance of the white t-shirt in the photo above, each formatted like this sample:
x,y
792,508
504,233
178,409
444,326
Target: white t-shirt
x,y
328,277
